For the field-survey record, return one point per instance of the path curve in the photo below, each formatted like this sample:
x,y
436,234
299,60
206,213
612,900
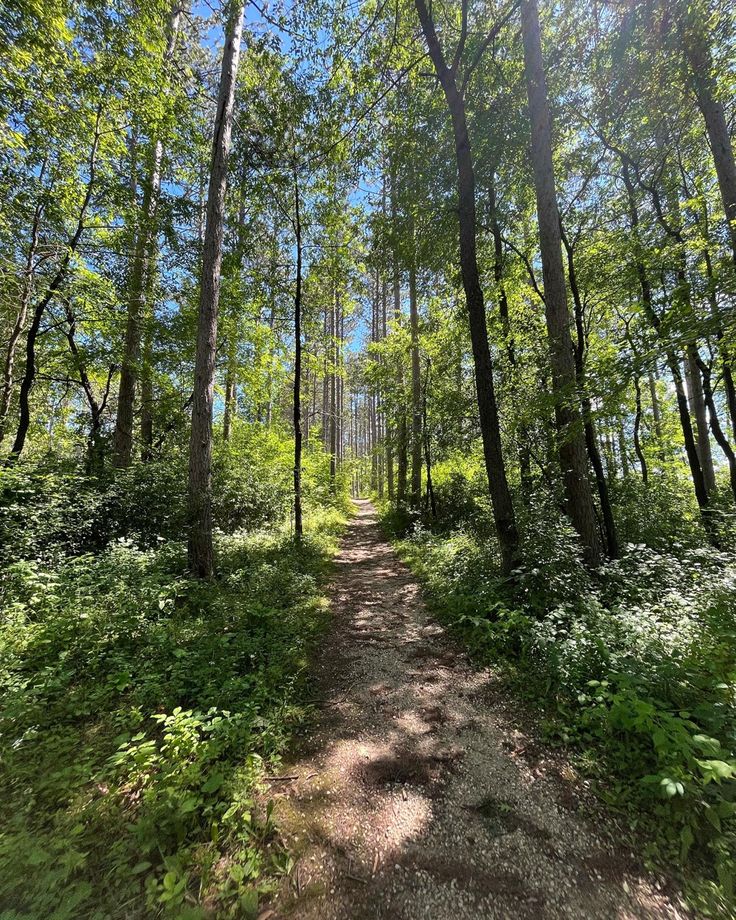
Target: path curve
x,y
416,797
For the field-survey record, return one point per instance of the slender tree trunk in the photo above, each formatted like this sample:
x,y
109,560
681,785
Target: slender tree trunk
x,y
333,394
95,457
723,348
147,363
637,429
703,82
229,410
691,451
298,525
29,374
340,383
571,436
373,403
306,389
402,465
503,510
416,386
654,399
269,378
124,422
143,255
673,363
201,561
683,299
388,422
326,380
427,444
715,424
697,406
591,441
503,310
623,450
20,320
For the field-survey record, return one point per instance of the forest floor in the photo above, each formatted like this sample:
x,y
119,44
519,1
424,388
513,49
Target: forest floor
x,y
424,791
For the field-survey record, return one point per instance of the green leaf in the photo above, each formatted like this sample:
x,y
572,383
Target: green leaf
x,y
213,783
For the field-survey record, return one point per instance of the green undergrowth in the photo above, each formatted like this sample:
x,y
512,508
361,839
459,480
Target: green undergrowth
x,y
140,711
634,668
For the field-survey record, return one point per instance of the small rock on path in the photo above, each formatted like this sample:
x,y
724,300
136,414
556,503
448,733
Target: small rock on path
x,y
417,797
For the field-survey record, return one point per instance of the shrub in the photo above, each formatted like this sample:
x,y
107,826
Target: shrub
x,y
140,710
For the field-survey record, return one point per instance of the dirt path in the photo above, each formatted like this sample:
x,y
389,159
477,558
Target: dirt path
x,y
416,796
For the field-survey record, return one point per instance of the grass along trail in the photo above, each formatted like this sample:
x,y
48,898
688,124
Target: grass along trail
x,y
416,796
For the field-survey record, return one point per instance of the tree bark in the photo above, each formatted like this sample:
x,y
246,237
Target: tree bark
x,y
673,363
201,561
230,389
654,399
503,510
570,430
622,450
333,393
715,424
298,525
503,310
637,429
703,82
591,441
697,406
416,384
143,256
387,422
147,362
95,457
402,465
20,319
427,444
29,373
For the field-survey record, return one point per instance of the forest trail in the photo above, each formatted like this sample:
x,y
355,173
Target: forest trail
x,y
417,796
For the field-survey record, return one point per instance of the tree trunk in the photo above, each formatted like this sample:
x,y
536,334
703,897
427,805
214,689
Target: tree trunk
x,y
723,348
20,319
298,526
95,457
333,394
503,511
402,465
654,398
340,381
503,310
623,450
29,373
697,407
387,421
637,429
703,82
427,445
327,350
715,424
416,386
124,421
147,363
201,560
673,363
142,258
591,441
229,410
570,430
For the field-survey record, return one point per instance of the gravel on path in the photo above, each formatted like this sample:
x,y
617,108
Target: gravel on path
x,y
417,796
